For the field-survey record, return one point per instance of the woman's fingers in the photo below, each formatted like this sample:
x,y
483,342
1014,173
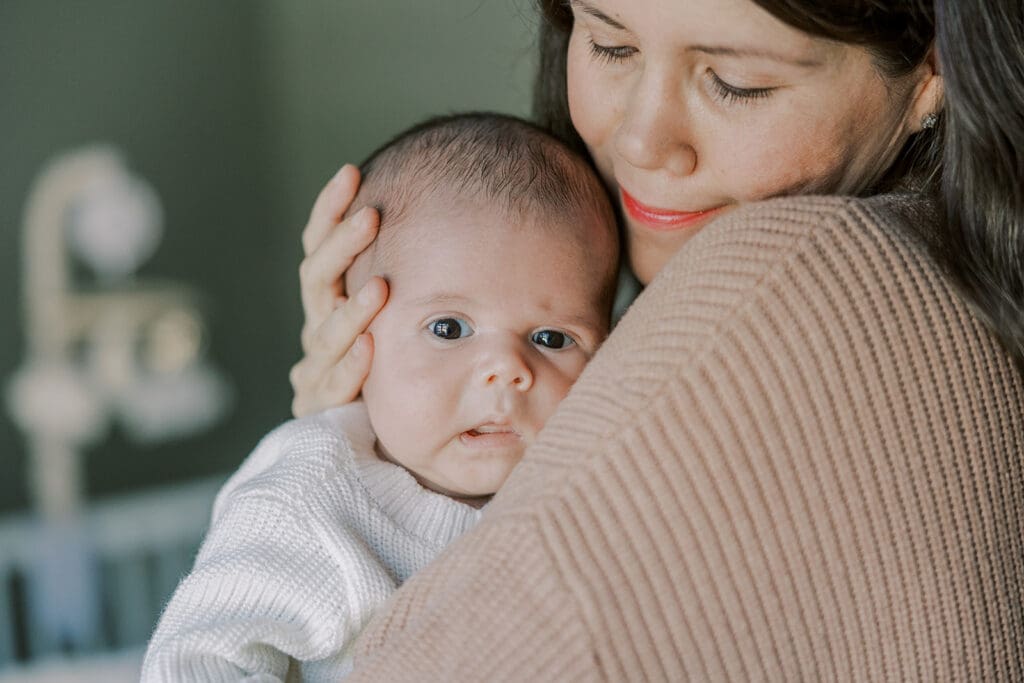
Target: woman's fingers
x,y
331,204
317,389
338,353
339,330
321,272
338,350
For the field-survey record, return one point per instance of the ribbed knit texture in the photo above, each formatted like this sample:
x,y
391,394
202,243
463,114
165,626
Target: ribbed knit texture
x,y
308,538
797,458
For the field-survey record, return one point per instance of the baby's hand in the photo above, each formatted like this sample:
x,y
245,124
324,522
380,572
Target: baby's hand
x,y
338,350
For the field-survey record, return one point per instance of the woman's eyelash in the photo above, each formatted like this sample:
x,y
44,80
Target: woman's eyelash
x,y
730,93
611,53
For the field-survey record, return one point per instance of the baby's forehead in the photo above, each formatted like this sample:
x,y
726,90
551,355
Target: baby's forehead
x,y
499,257
471,220
478,259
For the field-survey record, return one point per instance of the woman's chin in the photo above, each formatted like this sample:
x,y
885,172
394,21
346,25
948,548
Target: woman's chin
x,y
648,254
650,250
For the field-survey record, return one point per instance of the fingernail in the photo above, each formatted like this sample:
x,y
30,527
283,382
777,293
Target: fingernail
x,y
365,296
364,215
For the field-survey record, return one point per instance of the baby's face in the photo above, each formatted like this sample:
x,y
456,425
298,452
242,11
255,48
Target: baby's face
x,y
487,326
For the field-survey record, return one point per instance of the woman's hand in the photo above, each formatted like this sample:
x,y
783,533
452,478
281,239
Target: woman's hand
x,y
337,348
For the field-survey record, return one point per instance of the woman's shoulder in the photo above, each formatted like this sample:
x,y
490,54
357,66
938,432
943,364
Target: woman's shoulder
x,y
814,238
766,264
838,269
876,245
904,217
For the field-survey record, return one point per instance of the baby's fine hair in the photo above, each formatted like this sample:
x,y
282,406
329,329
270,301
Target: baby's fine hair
x,y
503,160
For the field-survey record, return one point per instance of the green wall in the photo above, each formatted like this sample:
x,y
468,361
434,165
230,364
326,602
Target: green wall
x,y
237,112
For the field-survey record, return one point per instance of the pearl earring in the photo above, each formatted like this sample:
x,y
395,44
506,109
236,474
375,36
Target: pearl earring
x,y
928,121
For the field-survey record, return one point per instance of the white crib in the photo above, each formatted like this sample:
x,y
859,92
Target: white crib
x,y
142,545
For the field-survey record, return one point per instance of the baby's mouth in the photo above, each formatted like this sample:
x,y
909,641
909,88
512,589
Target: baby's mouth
x,y
490,435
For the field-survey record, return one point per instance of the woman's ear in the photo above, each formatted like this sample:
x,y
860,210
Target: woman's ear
x,y
926,102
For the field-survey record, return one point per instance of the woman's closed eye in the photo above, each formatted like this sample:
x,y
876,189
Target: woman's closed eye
x,y
552,339
611,53
450,329
731,94
722,90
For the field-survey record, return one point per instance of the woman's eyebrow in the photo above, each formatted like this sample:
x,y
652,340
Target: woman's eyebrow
x,y
596,13
804,62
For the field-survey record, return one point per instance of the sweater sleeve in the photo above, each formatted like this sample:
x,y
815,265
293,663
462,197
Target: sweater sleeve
x,y
796,458
278,586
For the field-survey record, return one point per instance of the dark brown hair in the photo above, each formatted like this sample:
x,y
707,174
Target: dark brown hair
x,y
971,163
509,162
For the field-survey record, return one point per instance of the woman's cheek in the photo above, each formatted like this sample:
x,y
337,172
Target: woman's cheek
x,y
802,157
585,86
576,93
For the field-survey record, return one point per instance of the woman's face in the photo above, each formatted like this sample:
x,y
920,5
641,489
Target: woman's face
x,y
691,107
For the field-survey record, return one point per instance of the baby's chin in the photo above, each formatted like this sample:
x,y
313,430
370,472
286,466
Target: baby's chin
x,y
467,480
465,492
474,501
476,493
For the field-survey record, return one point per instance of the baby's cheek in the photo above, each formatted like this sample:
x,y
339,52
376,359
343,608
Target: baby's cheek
x,y
398,401
553,389
575,364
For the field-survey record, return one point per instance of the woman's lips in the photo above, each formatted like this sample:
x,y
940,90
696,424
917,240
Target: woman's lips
x,y
663,219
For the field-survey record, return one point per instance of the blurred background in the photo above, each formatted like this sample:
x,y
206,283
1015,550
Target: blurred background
x,y
159,160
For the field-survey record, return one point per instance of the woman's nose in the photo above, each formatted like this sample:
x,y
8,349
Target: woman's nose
x,y
653,134
506,366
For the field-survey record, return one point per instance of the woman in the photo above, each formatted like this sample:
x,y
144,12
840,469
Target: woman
x,y
797,456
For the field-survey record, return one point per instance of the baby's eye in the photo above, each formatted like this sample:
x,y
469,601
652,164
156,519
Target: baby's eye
x,y
553,339
450,328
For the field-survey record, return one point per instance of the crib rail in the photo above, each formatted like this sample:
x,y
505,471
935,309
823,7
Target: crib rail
x,y
140,545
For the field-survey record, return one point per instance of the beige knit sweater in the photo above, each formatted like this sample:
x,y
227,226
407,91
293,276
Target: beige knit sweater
x,y
798,457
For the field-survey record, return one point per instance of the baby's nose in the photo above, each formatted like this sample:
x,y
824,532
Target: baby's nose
x,y
507,367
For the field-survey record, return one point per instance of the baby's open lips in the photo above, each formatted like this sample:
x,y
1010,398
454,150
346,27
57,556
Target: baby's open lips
x,y
492,428
490,434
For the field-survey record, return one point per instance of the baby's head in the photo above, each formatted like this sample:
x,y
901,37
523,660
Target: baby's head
x,y
500,251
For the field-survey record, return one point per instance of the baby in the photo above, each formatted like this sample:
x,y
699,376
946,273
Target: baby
x,y
500,252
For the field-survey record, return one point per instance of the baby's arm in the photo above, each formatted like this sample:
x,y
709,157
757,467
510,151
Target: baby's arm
x,y
277,581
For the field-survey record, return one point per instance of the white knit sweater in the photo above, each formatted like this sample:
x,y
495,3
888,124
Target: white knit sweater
x,y
311,534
